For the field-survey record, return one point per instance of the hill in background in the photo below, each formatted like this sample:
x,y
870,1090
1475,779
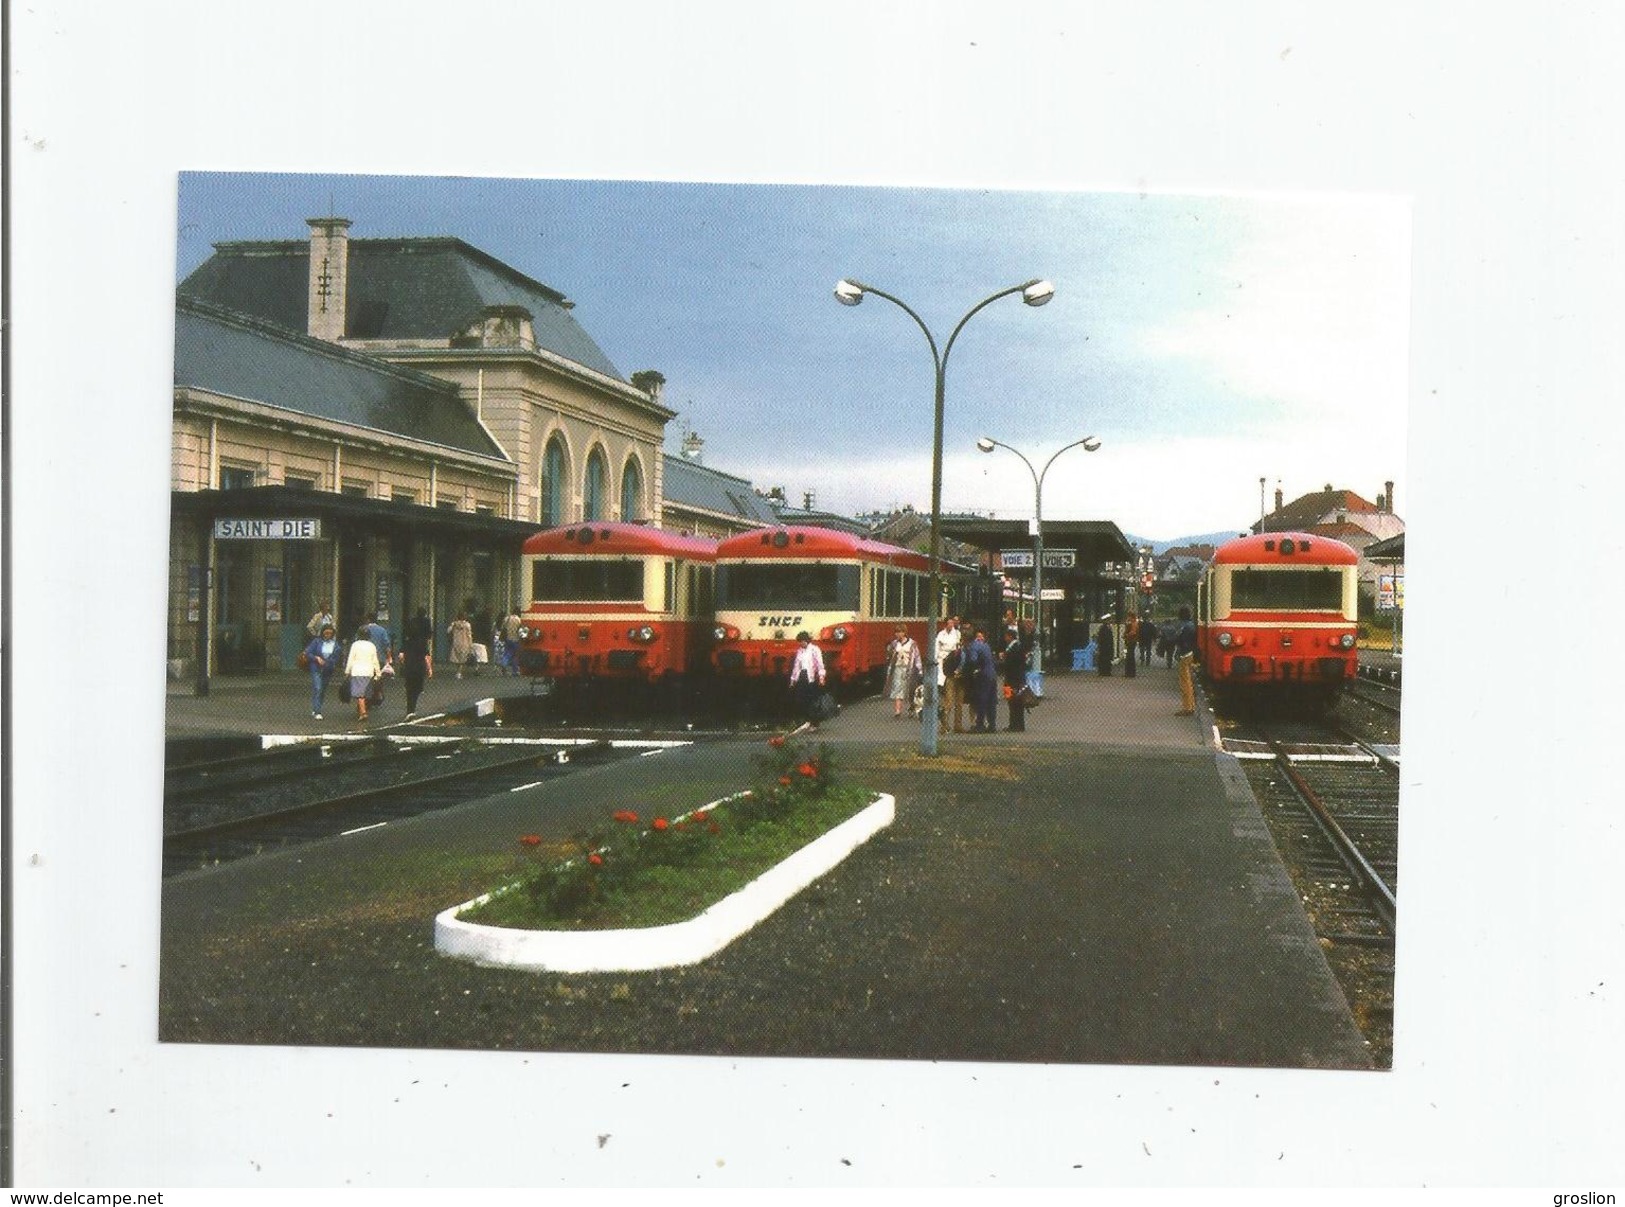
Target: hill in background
x,y
1206,538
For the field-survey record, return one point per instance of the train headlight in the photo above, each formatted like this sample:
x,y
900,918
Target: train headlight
x,y
839,633
643,633
526,633
1226,641
1346,641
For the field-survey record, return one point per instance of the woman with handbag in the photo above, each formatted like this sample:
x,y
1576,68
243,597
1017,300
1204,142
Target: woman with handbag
x,y
362,668
321,657
902,670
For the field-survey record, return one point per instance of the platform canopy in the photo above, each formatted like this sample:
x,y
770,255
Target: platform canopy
x,y
1390,550
1095,542
383,515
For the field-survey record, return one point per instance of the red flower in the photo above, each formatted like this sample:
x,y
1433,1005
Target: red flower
x,y
595,859
776,741
626,815
699,815
784,781
660,823
808,770
531,840
714,828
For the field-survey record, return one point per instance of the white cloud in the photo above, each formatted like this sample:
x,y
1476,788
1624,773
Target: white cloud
x,y
1311,312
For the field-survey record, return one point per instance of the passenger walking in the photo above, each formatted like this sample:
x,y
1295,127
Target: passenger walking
x,y
323,618
1185,648
806,676
417,660
1015,679
462,642
981,683
1131,636
510,641
363,668
950,689
322,657
379,636
1105,646
1148,638
902,670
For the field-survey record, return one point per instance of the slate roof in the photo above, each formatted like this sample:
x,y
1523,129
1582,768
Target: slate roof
x,y
232,354
398,289
686,484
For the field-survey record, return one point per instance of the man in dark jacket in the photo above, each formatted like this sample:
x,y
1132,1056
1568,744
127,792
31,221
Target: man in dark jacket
x,y
1185,650
1014,662
1105,646
417,663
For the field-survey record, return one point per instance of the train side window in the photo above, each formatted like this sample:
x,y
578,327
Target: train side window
x,y
671,587
911,595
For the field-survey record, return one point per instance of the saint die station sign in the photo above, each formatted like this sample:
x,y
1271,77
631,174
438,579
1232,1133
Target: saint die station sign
x,y
268,529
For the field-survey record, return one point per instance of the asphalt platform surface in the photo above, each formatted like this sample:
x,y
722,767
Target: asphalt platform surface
x,y
1100,889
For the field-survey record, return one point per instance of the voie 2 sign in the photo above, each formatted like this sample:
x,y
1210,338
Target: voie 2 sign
x,y
267,529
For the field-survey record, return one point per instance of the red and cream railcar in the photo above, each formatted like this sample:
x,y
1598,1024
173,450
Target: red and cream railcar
x,y
616,601
849,593
1276,613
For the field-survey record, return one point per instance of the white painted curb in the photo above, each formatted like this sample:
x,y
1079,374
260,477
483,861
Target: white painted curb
x,y
653,947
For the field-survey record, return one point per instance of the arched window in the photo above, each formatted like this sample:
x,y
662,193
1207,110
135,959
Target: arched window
x,y
593,502
553,483
632,491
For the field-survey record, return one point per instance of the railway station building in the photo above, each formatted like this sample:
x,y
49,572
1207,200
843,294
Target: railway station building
x,y
379,423
301,473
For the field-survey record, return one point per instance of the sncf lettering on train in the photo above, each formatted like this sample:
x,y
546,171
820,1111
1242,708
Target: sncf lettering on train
x,y
778,622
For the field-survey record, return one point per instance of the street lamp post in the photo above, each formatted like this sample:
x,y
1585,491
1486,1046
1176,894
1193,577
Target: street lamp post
x,y
849,293
987,444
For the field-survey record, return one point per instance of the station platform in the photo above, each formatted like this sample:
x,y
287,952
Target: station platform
x,y
1101,889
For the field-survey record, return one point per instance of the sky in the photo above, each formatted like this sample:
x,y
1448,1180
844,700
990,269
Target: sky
x,y
1206,341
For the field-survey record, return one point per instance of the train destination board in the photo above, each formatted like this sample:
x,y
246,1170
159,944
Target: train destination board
x,y
268,530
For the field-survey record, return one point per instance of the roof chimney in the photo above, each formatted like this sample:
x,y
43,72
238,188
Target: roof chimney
x,y
329,277
1277,498
1388,496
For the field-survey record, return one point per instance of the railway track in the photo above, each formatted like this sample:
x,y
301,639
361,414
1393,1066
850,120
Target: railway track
x,y
1330,794
258,804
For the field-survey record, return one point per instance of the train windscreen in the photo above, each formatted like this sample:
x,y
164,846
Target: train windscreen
x,y
1317,590
589,579
787,586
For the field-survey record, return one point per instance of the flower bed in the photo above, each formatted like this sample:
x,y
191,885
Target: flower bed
x,y
670,891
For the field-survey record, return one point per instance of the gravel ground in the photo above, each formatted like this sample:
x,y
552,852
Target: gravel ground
x,y
1041,904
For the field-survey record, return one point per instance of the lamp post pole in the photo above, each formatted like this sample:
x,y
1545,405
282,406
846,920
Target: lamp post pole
x,y
849,293
987,444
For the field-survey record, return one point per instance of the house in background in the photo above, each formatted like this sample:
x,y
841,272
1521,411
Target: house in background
x,y
1182,563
